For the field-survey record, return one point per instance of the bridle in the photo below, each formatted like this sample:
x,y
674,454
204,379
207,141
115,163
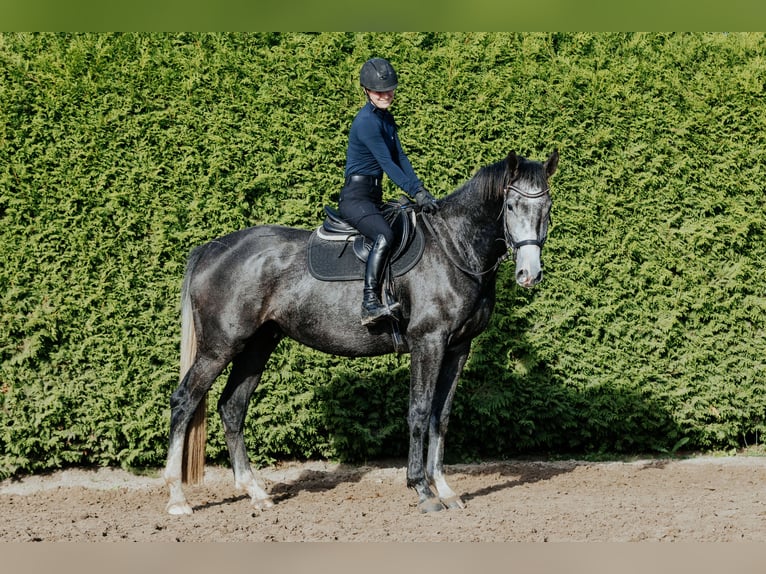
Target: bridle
x,y
511,245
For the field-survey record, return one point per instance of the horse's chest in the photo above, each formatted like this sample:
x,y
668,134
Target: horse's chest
x,y
478,319
483,313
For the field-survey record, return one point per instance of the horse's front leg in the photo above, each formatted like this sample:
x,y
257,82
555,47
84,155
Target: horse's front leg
x,y
442,404
425,367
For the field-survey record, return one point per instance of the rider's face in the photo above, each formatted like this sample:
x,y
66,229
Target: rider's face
x,y
381,100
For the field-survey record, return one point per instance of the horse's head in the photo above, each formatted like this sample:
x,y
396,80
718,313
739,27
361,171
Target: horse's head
x,y
527,213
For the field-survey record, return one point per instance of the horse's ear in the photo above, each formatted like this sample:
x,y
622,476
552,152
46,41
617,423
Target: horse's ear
x,y
552,163
512,161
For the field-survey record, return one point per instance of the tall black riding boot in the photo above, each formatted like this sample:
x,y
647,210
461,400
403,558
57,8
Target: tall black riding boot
x,y
372,308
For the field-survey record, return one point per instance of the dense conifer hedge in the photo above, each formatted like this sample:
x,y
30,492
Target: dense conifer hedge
x,y
119,153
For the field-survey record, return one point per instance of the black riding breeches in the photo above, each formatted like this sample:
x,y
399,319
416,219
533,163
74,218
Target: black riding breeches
x,y
360,205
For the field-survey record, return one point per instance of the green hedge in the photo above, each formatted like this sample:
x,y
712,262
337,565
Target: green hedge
x,y
119,153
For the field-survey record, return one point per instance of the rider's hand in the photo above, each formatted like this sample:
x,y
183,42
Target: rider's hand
x,y
426,201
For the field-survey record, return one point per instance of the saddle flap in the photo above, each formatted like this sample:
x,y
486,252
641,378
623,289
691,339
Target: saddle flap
x,y
362,248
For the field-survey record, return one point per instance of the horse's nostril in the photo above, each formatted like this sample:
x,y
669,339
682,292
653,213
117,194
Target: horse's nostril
x,y
526,279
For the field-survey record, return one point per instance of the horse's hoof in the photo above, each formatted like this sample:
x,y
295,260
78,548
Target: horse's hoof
x,y
453,503
262,503
179,509
430,505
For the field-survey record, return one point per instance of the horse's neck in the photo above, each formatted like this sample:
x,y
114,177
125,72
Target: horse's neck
x,y
473,230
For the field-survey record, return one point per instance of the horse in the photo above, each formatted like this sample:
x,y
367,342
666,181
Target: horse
x,y
244,292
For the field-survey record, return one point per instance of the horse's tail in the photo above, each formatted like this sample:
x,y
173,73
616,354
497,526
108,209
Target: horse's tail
x,y
196,433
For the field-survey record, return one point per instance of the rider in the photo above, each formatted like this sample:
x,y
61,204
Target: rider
x,y
373,149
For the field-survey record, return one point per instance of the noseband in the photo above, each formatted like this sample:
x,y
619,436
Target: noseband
x,y
513,246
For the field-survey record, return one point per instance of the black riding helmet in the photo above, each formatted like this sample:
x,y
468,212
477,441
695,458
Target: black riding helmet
x,y
378,75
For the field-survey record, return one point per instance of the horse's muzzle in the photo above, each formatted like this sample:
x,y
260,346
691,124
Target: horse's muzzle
x,y
529,269
526,279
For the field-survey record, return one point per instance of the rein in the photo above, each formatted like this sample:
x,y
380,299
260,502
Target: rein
x,y
511,245
470,272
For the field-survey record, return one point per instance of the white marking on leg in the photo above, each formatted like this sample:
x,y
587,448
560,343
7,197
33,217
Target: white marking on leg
x,y
177,504
442,488
248,482
448,496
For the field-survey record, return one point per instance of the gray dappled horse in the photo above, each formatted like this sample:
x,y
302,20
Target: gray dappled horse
x,y
244,292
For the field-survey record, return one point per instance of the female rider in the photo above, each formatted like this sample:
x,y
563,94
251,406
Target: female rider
x,y
374,149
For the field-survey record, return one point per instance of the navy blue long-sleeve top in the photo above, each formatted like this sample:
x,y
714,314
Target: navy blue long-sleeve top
x,y
374,148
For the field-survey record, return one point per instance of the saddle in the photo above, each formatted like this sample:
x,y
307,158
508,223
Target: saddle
x,y
338,252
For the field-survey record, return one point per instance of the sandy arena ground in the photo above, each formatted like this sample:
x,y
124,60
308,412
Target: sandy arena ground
x,y
697,500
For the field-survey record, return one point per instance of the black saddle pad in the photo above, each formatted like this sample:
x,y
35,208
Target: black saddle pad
x,y
336,261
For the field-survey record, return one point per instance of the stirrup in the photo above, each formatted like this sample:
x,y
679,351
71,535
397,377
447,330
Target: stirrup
x,y
379,312
372,317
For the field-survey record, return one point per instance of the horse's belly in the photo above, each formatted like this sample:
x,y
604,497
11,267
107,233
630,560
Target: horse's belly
x,y
345,343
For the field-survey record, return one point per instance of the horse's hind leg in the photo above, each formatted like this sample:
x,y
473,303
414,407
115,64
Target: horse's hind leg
x,y
245,375
442,404
183,403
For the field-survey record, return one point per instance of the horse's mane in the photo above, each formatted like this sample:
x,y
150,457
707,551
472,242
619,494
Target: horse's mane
x,y
491,180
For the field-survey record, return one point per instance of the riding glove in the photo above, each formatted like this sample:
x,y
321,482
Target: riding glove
x,y
426,201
